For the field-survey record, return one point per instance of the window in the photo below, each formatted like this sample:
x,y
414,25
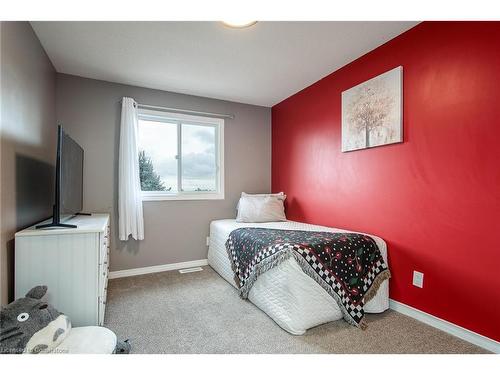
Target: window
x,y
180,156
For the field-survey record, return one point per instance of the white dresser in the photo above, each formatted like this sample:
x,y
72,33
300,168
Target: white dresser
x,y
73,263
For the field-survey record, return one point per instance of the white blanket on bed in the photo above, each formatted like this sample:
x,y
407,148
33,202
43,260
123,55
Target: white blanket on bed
x,y
285,293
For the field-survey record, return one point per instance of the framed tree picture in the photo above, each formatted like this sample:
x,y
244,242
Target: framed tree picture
x,y
372,112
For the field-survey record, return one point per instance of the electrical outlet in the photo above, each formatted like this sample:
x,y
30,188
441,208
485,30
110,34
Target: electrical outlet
x,y
208,241
418,279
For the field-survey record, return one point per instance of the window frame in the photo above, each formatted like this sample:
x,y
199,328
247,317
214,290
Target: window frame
x,y
178,119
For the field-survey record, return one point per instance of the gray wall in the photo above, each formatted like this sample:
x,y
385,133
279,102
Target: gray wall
x,y
28,135
175,231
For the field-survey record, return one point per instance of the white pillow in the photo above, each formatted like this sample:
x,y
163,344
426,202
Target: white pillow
x,y
279,195
260,209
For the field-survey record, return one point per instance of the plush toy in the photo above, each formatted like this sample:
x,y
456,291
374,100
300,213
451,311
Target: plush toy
x,y
30,325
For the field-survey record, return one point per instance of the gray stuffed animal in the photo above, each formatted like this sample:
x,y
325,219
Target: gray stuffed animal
x,y
30,325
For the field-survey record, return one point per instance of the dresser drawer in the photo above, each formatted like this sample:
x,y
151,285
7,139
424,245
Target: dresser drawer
x,y
103,276
104,250
102,308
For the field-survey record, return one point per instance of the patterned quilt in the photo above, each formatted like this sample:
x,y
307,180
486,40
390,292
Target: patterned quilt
x,y
349,266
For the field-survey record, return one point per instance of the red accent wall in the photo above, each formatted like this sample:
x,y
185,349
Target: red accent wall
x,y
435,198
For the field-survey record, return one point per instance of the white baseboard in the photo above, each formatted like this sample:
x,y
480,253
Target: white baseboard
x,y
160,268
443,325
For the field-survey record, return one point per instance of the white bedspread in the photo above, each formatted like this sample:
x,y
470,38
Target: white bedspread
x,y
285,293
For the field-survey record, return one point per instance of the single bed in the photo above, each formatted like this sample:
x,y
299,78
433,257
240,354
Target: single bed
x,y
285,293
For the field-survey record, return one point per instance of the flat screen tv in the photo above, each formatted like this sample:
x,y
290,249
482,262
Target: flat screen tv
x,y
69,181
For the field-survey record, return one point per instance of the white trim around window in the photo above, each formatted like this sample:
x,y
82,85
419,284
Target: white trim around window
x,y
179,118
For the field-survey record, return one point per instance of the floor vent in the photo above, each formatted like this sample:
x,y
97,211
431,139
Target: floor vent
x,y
188,270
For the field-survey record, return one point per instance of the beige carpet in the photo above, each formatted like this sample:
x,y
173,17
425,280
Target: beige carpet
x,y
200,312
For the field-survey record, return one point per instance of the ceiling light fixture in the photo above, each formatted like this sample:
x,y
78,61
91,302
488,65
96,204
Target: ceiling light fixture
x,y
239,24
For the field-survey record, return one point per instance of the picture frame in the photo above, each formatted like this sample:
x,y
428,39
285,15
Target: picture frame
x,y
372,112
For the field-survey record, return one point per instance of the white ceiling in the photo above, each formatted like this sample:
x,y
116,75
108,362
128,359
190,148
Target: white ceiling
x,y
262,65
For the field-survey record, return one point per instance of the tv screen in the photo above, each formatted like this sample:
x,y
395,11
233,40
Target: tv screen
x,y
71,176
69,181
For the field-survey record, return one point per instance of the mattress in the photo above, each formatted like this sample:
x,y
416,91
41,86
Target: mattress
x,y
285,293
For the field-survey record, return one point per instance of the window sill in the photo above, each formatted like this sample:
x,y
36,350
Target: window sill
x,y
182,197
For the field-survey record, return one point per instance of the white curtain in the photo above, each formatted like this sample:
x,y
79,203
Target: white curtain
x,y
130,218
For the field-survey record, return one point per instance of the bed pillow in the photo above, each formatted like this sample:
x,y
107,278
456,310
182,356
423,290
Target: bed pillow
x,y
260,209
279,195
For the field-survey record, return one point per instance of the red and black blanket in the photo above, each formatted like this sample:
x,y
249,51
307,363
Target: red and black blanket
x,y
349,266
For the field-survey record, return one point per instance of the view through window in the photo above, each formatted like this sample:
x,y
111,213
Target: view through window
x,y
178,156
